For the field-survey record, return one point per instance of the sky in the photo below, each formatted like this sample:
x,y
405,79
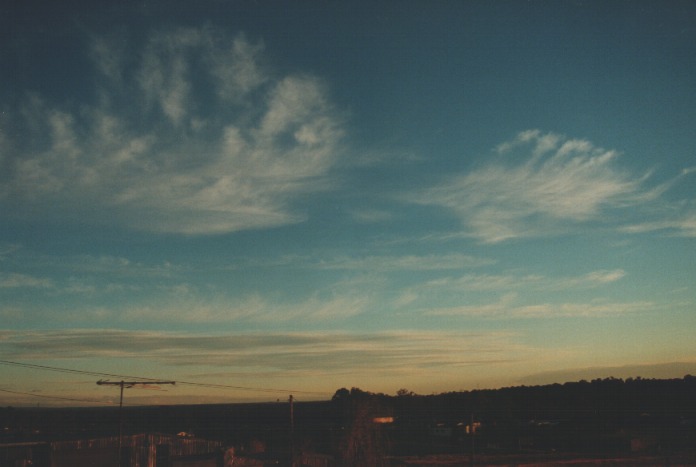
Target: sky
x,y
257,199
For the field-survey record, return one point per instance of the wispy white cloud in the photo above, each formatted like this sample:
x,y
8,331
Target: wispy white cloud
x,y
515,292
16,280
164,76
150,296
484,282
676,219
508,308
96,275
234,149
558,183
508,282
186,306
361,295
407,262
8,249
684,226
602,277
239,70
84,264
110,265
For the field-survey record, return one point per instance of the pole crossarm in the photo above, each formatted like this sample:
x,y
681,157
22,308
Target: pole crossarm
x,y
130,384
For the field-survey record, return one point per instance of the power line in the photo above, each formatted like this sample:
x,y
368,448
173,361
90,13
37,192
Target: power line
x,y
43,396
68,370
267,390
186,383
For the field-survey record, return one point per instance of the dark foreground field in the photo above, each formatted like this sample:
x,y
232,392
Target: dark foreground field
x,y
602,422
539,460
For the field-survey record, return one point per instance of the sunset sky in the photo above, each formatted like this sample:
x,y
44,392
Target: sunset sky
x,y
294,197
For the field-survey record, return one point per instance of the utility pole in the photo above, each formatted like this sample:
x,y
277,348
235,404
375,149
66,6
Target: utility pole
x,y
473,440
128,385
292,431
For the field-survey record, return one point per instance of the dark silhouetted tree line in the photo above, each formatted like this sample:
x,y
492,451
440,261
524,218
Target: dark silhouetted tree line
x,y
602,415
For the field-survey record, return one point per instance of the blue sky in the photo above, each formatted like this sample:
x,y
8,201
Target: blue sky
x,y
425,195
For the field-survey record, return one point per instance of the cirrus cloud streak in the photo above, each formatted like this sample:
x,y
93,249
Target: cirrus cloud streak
x,y
166,149
543,184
